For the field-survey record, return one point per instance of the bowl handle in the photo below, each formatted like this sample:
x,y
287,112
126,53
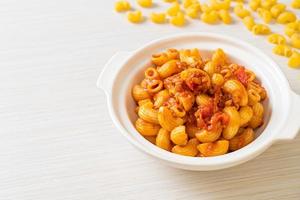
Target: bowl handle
x,y
292,128
110,70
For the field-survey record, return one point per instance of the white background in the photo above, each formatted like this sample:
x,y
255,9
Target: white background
x,y
57,140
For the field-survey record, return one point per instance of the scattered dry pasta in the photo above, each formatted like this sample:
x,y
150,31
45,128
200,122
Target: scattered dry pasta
x,y
214,11
196,107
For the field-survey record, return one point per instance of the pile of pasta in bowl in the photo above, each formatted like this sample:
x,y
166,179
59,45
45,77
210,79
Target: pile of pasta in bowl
x,y
196,107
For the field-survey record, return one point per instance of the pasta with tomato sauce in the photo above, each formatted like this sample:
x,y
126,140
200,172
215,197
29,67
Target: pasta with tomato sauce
x,y
196,107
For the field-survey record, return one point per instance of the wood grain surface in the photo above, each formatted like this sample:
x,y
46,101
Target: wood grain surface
x,y
57,140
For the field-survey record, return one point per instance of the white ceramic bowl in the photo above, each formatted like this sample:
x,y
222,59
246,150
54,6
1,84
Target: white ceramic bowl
x,y
124,69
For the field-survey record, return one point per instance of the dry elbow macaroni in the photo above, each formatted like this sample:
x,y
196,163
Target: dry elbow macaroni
x,y
196,107
215,11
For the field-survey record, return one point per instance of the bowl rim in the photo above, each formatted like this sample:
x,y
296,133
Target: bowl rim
x,y
226,160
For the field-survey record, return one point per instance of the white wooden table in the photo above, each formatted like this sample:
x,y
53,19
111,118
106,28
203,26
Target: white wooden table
x,y
57,140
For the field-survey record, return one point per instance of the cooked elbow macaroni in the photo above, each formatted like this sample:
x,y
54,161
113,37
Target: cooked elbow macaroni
x,y
192,108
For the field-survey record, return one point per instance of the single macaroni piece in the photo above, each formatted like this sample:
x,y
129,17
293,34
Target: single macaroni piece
x,y
246,114
217,79
179,136
254,4
139,93
178,20
122,5
145,3
148,114
190,149
241,140
294,60
146,128
167,120
265,14
172,54
210,67
240,11
187,3
170,1
151,73
203,100
286,17
195,6
186,99
277,9
282,50
234,122
238,92
258,88
206,8
276,39
174,9
220,4
193,11
190,56
154,86
257,118
261,29
163,139
219,57
160,98
200,107
249,22
292,28
250,74
209,136
217,148
253,97
135,16
225,16
167,69
178,110
295,40
158,18
295,4
210,17
159,59
267,4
